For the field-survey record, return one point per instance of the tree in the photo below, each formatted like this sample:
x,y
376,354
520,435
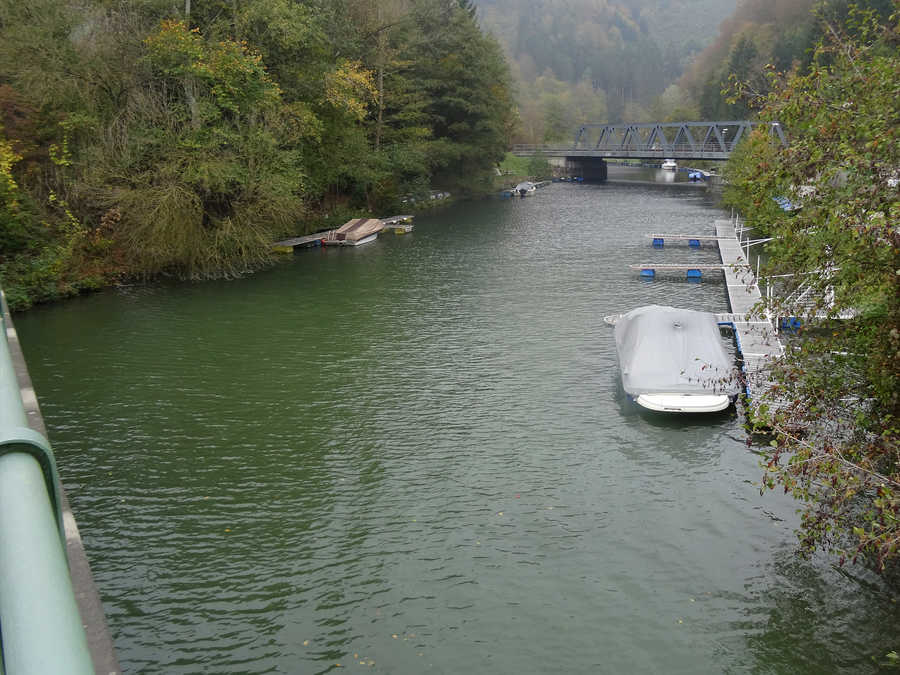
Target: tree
x,y
207,188
834,412
466,84
183,138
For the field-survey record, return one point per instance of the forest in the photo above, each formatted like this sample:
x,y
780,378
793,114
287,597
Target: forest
x,y
148,139
778,34
600,60
142,139
639,61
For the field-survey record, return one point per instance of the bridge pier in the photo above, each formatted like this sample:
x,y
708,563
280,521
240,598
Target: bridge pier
x,y
592,169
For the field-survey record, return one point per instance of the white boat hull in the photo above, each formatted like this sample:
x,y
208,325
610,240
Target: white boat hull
x,y
684,403
364,240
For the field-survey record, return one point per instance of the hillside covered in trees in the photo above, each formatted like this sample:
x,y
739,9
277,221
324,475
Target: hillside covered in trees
x,y
648,60
152,138
778,35
599,60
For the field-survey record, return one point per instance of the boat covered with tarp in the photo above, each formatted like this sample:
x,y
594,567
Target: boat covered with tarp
x,y
673,360
355,232
525,188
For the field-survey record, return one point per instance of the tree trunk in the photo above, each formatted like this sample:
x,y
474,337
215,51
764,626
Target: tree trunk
x,y
382,36
379,122
189,93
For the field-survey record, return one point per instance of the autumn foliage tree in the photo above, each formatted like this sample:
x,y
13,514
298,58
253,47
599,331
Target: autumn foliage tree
x,y
182,139
835,409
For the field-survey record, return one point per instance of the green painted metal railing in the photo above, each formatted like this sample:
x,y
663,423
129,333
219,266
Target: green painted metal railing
x,y
40,626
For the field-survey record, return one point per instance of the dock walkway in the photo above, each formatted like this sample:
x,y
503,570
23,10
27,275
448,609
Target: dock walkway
x,y
755,335
396,220
399,224
302,242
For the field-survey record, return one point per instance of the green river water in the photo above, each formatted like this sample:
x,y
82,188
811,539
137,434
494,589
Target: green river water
x,y
415,457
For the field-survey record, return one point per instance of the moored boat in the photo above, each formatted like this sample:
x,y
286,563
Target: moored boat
x,y
398,224
355,232
525,188
673,360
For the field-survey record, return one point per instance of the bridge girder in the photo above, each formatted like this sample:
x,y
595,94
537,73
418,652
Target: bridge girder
x,y
677,140
718,137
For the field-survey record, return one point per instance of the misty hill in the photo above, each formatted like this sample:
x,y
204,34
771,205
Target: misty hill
x,y
626,51
777,33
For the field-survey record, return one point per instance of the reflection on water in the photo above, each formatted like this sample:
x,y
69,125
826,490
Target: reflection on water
x,y
415,456
621,172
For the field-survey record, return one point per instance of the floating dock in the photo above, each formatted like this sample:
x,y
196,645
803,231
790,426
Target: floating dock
x,y
757,340
693,240
306,241
691,271
756,337
350,233
398,224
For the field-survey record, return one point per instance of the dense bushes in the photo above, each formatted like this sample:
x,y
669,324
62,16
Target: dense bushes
x,y
836,443
141,142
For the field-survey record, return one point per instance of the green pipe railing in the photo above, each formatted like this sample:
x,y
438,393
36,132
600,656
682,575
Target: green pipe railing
x,y
41,631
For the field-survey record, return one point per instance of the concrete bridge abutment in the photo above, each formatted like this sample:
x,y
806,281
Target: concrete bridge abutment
x,y
592,169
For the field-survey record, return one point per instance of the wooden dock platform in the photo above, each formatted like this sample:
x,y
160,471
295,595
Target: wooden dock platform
x,y
398,224
396,220
345,234
305,241
677,267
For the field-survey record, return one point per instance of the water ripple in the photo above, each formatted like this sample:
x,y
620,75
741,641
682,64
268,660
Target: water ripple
x,y
416,456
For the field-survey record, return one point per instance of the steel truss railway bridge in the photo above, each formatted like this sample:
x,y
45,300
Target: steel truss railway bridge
x,y
656,140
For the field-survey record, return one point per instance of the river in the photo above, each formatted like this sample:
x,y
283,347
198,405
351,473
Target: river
x,y
414,457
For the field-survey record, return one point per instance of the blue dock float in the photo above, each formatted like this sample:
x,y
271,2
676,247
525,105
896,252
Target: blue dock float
x,y
693,240
692,272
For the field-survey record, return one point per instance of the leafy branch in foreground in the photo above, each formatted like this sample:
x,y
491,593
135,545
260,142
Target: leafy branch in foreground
x,y
835,408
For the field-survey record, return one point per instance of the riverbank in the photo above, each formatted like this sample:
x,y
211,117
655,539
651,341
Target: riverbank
x,y
27,285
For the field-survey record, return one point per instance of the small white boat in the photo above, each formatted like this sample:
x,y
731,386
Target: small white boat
x,y
669,165
398,224
524,189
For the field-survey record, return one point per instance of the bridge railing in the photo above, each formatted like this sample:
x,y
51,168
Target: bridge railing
x,y
40,624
